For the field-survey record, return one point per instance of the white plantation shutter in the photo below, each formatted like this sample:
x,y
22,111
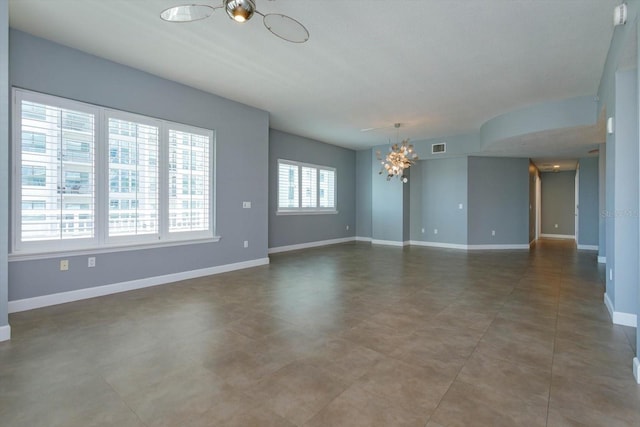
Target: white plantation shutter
x,y
309,186
189,170
327,186
133,178
305,188
288,187
90,177
56,154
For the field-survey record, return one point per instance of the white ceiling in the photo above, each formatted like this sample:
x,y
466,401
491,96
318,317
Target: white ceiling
x,y
440,67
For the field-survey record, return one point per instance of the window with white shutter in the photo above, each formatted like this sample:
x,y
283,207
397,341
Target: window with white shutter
x,y
305,188
189,209
88,177
133,206
56,154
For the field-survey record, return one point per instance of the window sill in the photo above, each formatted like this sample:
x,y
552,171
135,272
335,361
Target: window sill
x,y
29,256
306,212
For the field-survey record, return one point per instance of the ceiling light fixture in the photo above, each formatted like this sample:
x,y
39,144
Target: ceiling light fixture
x,y
241,11
400,157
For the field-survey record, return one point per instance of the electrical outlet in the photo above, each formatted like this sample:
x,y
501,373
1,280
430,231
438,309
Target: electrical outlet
x,y
460,206
347,227
435,231
423,231
91,262
64,265
246,243
556,225
493,232
246,205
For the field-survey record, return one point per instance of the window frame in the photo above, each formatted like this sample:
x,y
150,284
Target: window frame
x,y
100,240
299,210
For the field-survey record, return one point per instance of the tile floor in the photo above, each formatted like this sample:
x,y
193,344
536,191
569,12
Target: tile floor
x,y
347,335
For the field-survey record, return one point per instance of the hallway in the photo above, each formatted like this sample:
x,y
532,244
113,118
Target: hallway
x,y
345,335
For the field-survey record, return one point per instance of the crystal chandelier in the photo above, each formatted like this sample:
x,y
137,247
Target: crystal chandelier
x,y
400,157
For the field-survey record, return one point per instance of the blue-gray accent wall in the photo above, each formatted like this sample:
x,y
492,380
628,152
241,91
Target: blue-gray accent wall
x,y
363,193
242,144
588,210
4,161
602,223
533,200
286,230
498,200
558,203
622,197
388,200
438,188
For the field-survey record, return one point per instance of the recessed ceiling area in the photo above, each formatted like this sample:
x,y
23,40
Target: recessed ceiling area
x,y
439,67
554,147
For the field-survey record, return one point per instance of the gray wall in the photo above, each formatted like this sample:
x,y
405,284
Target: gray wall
x,y
440,187
387,204
533,202
622,215
588,211
558,203
498,200
4,159
363,193
602,223
242,143
285,230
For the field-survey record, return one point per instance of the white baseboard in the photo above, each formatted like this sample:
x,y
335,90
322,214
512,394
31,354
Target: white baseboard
x,y
618,317
559,236
438,244
97,291
389,242
587,247
467,247
308,245
602,259
363,239
636,369
497,247
5,333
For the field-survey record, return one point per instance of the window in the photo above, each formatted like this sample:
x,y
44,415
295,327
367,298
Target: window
x,y
305,188
192,151
92,177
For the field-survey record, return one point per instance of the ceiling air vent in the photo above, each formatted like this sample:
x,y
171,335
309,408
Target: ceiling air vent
x,y
439,148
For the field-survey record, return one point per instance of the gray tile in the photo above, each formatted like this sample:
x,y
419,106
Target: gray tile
x,y
350,334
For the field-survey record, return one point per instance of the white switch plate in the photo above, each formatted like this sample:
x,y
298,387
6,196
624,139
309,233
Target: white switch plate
x,y
435,231
556,225
64,265
460,206
91,262
246,205
246,243
423,231
347,227
493,232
